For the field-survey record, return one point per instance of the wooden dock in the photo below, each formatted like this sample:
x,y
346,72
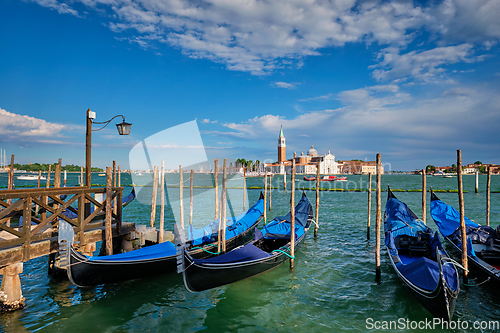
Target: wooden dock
x,y
37,234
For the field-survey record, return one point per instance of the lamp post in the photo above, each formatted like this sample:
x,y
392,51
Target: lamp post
x,y
123,129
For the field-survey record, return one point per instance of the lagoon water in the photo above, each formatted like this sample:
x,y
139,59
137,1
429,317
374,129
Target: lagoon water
x,y
331,289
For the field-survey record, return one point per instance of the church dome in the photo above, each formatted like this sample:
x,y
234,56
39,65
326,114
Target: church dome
x,y
312,152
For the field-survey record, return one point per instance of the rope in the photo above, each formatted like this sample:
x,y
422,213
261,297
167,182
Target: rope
x,y
476,285
200,248
279,250
451,261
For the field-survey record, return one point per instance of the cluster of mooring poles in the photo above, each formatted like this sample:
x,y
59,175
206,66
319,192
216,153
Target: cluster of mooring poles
x,y
424,209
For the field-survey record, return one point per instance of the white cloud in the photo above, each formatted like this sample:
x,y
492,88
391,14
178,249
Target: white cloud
x,y
208,121
284,85
262,36
61,8
424,66
25,128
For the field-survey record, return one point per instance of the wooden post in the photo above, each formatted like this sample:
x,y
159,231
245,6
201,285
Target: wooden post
x,y
81,176
462,214
284,179
191,195
244,187
316,226
181,195
477,182
45,199
39,177
162,207
369,205
107,228
10,183
119,177
378,217
153,197
224,204
292,222
270,178
488,189
265,197
65,177
114,185
57,175
424,196
48,176
216,183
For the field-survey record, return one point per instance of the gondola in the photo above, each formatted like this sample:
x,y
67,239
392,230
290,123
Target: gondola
x,y
150,260
483,242
269,249
419,259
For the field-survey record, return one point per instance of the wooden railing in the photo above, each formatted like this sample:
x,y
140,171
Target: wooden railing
x,y
28,202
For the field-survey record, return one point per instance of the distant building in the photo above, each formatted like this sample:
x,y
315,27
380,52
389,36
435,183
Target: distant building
x,y
304,164
358,167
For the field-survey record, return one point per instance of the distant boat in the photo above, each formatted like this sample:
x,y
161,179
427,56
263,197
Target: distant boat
x,y
325,178
102,175
30,177
448,176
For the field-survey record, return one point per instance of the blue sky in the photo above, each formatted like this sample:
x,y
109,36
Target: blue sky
x,y
413,81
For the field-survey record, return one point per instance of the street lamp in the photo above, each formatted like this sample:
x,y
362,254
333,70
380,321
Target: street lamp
x,y
123,129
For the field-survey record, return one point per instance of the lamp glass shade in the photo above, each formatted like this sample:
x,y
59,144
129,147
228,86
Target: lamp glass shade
x,y
124,128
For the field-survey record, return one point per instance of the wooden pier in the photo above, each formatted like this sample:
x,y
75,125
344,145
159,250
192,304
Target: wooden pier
x,y
37,235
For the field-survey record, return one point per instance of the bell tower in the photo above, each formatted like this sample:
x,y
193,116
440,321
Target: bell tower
x,y
281,147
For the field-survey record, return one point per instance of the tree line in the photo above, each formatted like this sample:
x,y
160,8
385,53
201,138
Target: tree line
x,y
35,167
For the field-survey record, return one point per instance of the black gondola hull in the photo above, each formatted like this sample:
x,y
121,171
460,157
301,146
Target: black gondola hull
x,y
200,277
440,302
83,272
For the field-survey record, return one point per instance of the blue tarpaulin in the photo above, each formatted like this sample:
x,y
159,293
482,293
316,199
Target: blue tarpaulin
x,y
235,226
280,226
149,252
447,218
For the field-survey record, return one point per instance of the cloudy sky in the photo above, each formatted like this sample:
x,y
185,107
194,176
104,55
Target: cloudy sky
x,y
412,80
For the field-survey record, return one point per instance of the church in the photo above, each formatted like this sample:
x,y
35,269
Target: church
x,y
304,164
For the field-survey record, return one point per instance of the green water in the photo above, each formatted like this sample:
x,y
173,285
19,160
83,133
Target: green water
x,y
331,289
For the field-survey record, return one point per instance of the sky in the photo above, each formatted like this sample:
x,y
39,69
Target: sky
x,y
412,80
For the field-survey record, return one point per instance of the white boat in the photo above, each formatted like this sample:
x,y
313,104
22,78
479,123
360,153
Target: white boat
x,y
31,177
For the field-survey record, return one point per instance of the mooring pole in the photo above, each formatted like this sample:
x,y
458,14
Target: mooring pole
x,y
378,221
244,187
216,183
153,197
284,177
316,226
39,177
265,197
292,222
10,183
181,195
65,177
162,207
114,185
81,176
477,181
119,177
369,205
107,229
191,194
488,189
224,204
462,214
424,196
270,178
